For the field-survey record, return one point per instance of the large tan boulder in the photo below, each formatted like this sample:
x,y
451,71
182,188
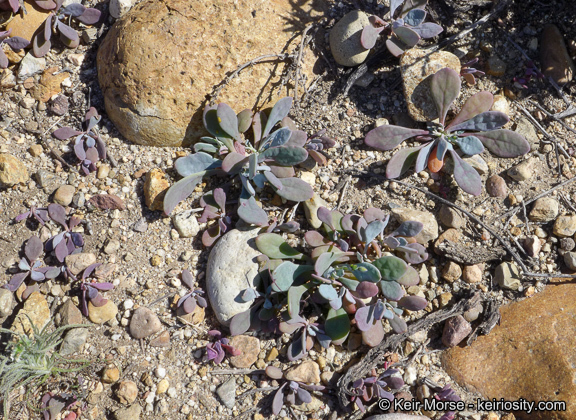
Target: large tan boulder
x,y
159,62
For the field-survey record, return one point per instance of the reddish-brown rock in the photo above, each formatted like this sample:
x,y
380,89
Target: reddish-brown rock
x,y
158,62
531,354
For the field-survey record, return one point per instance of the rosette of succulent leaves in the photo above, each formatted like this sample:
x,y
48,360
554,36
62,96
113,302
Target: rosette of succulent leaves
x,y
16,43
403,30
474,128
376,387
348,275
89,147
268,157
291,392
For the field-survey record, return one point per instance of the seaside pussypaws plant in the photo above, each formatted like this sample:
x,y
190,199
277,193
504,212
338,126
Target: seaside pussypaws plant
x,y
474,128
376,386
15,42
348,277
267,157
291,392
404,29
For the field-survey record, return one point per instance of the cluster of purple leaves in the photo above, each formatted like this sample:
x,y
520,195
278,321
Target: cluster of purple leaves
x,y
375,387
214,204
15,5
217,350
291,392
189,301
403,31
343,269
530,72
474,128
447,394
16,43
67,242
89,147
53,404
267,157
90,289
468,72
55,23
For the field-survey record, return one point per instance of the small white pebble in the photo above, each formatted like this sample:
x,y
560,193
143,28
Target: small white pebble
x,y
160,372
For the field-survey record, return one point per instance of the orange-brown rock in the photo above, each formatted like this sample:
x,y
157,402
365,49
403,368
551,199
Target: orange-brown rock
x,y
25,25
155,188
530,355
158,62
50,84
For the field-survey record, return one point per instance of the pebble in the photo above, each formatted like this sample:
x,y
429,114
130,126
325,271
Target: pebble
x,y
162,386
311,209
163,340
451,272
112,246
156,260
527,130
144,323
570,260
103,171
307,372
64,194
127,392
450,235
430,230
545,209
6,302
186,224
231,268
556,62
30,66
227,393
73,341
451,218
141,225
76,59
501,104
496,186
472,273
495,66
456,329
398,416
473,313
59,106
111,374
76,263
12,171
345,43
68,314
507,276
160,372
272,354
444,299
155,188
102,314
119,8
565,226
522,171
410,375
249,348
131,413
567,244
36,150
35,310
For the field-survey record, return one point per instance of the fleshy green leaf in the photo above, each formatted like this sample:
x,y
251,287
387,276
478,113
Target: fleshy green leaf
x,y
475,105
294,189
370,35
387,137
244,120
337,325
398,325
366,272
445,88
286,273
251,213
324,262
470,145
195,163
410,277
504,143
407,36
227,120
286,156
391,290
414,17
294,295
328,292
234,162
390,267
278,138
423,155
275,247
466,176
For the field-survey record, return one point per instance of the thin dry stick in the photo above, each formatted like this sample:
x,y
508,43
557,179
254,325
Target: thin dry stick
x,y
238,372
553,116
256,60
343,194
298,64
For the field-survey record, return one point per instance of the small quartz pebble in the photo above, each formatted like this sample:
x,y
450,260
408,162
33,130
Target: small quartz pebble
x,y
163,340
451,272
532,245
507,276
102,314
162,386
112,246
144,323
64,194
78,262
36,150
472,273
160,372
186,224
522,171
456,329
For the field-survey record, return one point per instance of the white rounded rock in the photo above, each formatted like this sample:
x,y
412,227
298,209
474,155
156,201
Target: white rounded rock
x,y
119,8
232,268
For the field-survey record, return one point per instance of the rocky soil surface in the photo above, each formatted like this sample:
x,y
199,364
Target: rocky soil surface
x,y
149,361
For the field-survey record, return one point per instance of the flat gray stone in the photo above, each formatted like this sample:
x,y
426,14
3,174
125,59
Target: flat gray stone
x,y
73,341
545,210
231,269
29,66
227,392
345,36
144,323
507,276
131,413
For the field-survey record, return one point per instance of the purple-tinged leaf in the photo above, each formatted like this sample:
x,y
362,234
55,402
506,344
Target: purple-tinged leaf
x,y
274,372
201,302
297,139
324,262
387,137
220,198
475,105
370,35
423,155
180,191
282,171
374,335
46,4
445,88
29,290
17,43
196,163
394,4
289,227
278,401
419,256
395,46
65,133
304,395
188,279
372,214
23,265
90,16
441,149
16,281
98,300
366,289
489,120
61,251
401,162
250,212
57,213
297,349
427,30
211,235
391,290
79,149
398,325
407,36
15,5
89,270
189,305
337,325
279,111
68,36
504,143
50,272
409,229
315,238
413,303
394,382
364,318
37,275
92,154
234,162
414,17
33,248
228,120
295,189
294,296
466,176
470,145
74,10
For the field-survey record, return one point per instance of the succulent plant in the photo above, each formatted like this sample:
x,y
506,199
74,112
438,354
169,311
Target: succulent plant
x,y
90,289
530,71
189,301
217,350
468,72
35,213
89,147
55,23
291,392
15,42
347,276
267,158
446,393
375,387
474,128
405,28
67,242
